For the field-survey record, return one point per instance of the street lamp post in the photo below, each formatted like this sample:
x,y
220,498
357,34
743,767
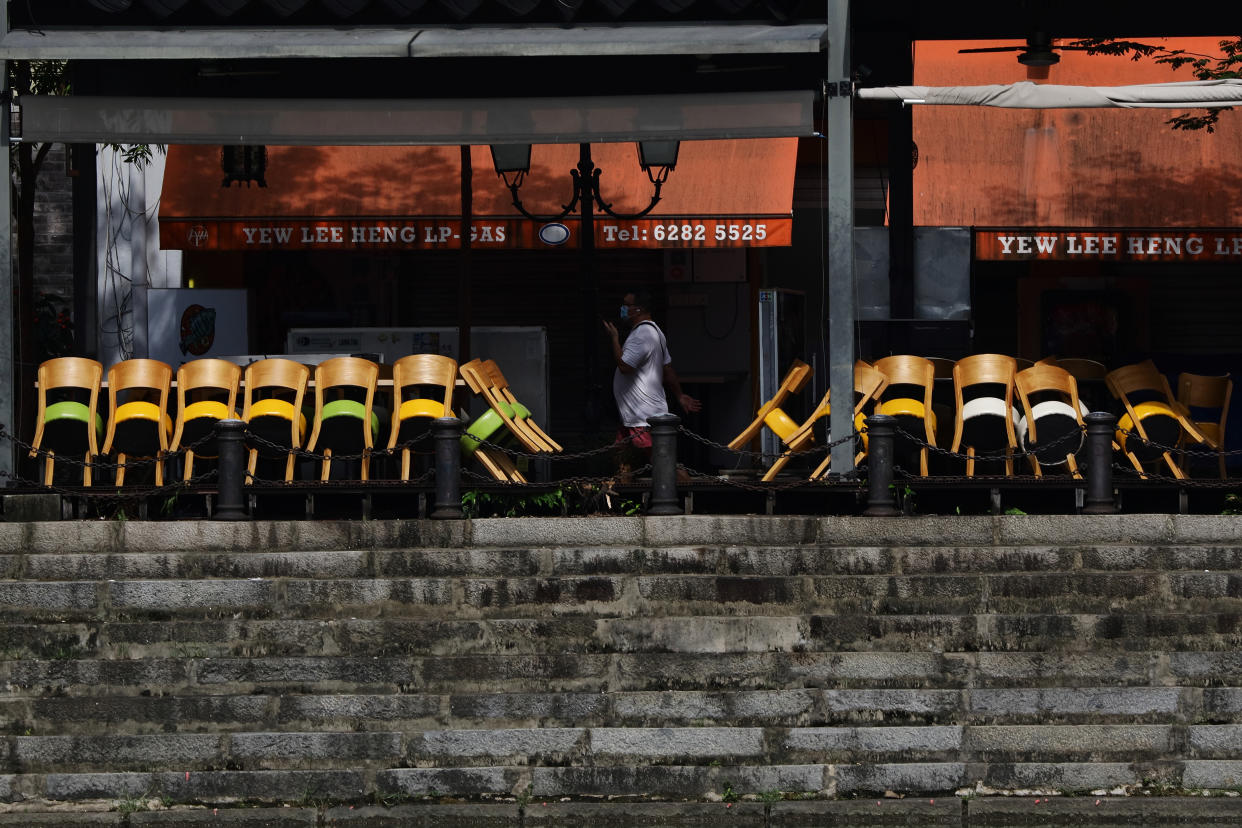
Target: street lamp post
x,y
657,159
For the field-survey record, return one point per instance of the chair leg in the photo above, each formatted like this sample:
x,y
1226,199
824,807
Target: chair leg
x,y
290,461
1220,456
87,462
49,464
327,465
1134,461
189,466
510,470
1176,469
120,469
405,463
1008,462
1035,469
366,465
923,462
970,461
250,466
159,469
776,466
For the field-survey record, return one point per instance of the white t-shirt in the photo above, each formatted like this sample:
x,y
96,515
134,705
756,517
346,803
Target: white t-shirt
x,y
640,395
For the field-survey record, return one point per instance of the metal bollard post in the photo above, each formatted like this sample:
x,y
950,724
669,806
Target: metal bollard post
x,y
881,498
447,434
231,442
1099,497
664,465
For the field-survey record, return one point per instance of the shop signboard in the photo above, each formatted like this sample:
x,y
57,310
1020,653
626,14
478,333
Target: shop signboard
x,y
489,234
1127,244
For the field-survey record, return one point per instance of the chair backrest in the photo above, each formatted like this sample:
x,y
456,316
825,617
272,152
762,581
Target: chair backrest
x,y
139,374
1083,368
424,369
795,379
208,374
1141,377
69,372
906,369
275,374
1197,391
869,384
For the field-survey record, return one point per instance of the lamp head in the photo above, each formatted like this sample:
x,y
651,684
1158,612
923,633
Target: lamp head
x,y
658,158
511,158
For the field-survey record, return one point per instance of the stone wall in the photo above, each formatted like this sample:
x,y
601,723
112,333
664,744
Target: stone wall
x,y
778,670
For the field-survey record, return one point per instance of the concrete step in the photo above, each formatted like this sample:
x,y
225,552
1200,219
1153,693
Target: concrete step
x,y
619,672
403,636
818,559
328,712
621,596
679,782
622,747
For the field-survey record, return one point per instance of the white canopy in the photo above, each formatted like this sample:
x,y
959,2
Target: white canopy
x,y
1028,95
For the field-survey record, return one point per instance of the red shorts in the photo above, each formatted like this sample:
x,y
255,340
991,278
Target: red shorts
x,y
641,436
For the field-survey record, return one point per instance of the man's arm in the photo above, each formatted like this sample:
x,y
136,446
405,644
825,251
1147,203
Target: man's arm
x,y
622,366
688,403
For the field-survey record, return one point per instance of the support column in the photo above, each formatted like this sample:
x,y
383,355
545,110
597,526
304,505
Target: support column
x,y
839,130
7,366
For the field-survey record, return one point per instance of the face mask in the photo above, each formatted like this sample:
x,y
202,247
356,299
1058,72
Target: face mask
x,y
625,312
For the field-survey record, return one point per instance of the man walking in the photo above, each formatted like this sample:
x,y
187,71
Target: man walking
x,y
644,370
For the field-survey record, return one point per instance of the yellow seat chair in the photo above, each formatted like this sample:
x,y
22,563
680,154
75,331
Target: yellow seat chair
x,y
1202,395
68,427
868,384
908,373
343,425
1151,411
770,413
201,383
138,422
982,414
272,409
422,387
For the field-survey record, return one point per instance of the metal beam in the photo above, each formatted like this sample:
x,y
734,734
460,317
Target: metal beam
x,y
450,121
839,114
407,42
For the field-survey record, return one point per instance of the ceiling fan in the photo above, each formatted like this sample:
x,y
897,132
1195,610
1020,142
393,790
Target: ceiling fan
x,y
1038,51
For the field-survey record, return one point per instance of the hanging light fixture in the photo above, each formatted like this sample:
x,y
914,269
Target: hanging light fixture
x,y
657,159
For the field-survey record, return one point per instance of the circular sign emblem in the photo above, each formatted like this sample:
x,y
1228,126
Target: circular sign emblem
x,y
554,234
198,330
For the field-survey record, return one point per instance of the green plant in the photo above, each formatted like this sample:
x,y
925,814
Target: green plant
x,y
1233,505
729,794
1014,510
768,797
135,803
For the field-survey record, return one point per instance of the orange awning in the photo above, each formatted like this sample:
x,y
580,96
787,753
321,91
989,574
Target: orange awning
x,y
723,193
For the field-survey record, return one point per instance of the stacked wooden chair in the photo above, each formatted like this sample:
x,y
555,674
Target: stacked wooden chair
x,y
68,422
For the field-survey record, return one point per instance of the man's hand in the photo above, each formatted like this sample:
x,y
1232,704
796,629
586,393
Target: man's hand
x,y
611,330
689,404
